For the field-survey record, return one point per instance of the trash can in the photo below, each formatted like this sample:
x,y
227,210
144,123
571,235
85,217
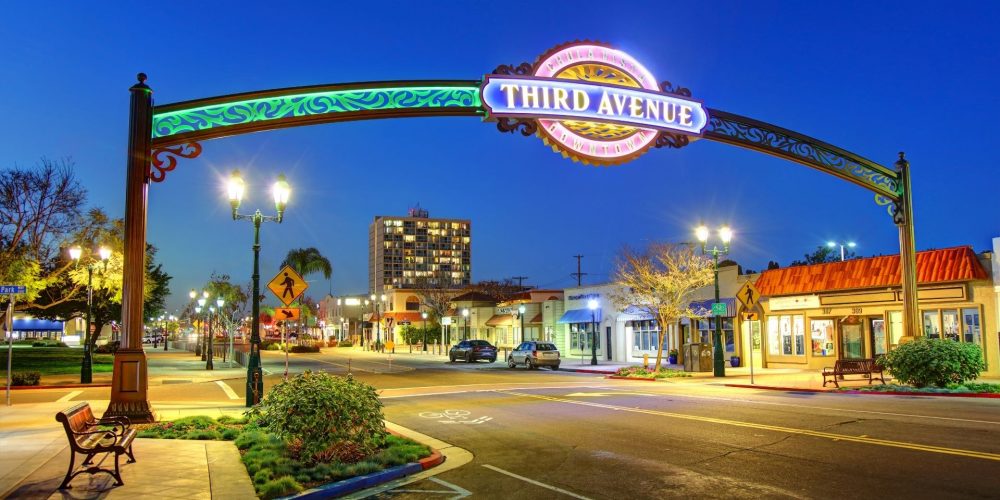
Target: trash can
x,y
698,357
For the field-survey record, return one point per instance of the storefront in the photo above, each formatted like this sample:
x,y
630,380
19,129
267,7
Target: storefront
x,y
814,315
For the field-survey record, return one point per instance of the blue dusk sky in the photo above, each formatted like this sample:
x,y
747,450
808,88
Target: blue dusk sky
x,y
873,78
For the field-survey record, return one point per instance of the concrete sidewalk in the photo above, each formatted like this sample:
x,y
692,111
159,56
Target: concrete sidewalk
x,y
36,454
171,367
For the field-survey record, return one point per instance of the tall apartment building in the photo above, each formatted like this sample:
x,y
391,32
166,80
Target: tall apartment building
x,y
416,250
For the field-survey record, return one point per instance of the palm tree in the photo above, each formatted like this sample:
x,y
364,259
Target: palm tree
x,y
308,261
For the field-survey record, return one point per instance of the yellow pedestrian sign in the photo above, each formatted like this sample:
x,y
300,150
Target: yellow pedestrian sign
x,y
748,295
287,285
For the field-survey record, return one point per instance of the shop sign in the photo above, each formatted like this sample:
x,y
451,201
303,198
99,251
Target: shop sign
x,y
592,103
793,302
352,301
719,309
584,296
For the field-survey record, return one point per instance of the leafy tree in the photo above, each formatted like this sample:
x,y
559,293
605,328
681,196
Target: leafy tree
x,y
822,255
773,265
40,208
660,282
308,261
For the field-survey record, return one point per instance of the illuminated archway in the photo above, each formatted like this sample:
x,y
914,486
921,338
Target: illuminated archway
x,y
589,102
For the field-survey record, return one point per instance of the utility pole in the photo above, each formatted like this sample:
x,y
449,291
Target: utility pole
x,y
578,275
520,280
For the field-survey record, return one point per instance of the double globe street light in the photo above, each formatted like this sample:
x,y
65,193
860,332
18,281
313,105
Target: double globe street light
x,y
725,235
76,253
592,305
281,192
378,323
834,244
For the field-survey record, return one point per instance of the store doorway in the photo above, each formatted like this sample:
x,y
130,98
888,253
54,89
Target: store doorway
x,y
607,335
852,335
878,340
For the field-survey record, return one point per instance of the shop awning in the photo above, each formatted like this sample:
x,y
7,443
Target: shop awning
x,y
500,320
633,313
704,307
537,319
37,325
580,316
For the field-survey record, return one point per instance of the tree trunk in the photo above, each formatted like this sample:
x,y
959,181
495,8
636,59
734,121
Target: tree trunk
x,y
659,348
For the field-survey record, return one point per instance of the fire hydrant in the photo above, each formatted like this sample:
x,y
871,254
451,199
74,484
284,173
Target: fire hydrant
x,y
645,361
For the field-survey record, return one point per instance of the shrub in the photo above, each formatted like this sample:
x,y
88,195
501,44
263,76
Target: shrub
x,y
25,378
39,344
283,486
305,348
936,362
318,412
272,346
109,348
346,343
331,343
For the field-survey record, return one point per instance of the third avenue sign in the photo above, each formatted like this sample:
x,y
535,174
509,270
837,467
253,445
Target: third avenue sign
x,y
592,103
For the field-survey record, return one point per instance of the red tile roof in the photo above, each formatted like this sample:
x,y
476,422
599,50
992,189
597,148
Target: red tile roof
x,y
399,316
933,266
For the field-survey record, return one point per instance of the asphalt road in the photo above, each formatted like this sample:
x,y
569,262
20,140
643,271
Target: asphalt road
x,y
543,434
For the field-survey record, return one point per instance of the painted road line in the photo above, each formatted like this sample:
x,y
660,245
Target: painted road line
x,y
775,428
492,388
228,390
69,397
802,405
536,483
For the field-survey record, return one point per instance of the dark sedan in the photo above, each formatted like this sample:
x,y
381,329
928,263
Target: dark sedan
x,y
471,350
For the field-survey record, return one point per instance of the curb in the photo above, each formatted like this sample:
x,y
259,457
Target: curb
x,y
645,379
346,486
340,488
986,395
584,370
60,386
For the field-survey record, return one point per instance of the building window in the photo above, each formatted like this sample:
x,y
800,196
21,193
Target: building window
x,y
645,335
821,334
960,325
932,329
970,326
412,303
706,329
786,335
580,335
895,327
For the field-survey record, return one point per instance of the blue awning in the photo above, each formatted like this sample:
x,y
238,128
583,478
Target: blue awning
x,y
37,325
633,313
704,307
580,316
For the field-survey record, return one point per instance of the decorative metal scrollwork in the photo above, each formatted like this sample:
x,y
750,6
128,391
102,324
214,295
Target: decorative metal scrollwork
x,y
752,134
164,160
894,207
671,88
521,69
511,125
669,140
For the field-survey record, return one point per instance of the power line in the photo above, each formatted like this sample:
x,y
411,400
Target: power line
x,y
578,275
520,280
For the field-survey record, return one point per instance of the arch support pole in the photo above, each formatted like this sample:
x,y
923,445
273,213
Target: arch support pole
x,y
907,253
130,382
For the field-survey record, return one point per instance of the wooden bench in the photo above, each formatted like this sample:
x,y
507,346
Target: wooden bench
x,y
87,437
866,367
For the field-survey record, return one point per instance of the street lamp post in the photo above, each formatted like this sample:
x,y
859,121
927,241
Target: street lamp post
x,y
726,235
520,312
201,331
361,323
211,333
166,334
592,305
465,329
378,324
834,244
208,340
281,192
423,315
86,368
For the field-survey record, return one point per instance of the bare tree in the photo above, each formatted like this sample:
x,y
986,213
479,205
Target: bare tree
x,y
435,296
660,282
502,291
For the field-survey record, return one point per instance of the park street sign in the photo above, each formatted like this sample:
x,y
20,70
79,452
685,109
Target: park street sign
x,y
12,289
287,285
287,313
748,295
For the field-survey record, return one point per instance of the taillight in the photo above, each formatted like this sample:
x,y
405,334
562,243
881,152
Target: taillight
x,y
534,353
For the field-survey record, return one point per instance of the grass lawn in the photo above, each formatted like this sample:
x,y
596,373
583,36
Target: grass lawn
x,y
640,372
53,360
273,467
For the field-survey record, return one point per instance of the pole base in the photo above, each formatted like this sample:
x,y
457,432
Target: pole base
x,y
130,388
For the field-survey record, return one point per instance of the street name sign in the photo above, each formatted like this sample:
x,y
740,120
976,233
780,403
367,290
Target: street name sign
x,y
287,285
10,289
719,309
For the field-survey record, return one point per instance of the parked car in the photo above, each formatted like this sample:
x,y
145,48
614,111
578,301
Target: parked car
x,y
533,354
149,339
471,350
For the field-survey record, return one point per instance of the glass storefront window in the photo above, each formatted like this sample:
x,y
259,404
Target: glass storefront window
x,y
821,335
786,335
878,336
932,329
949,322
645,335
895,327
580,335
970,326
706,330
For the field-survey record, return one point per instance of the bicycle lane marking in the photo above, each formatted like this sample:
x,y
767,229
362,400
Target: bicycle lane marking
x,y
775,428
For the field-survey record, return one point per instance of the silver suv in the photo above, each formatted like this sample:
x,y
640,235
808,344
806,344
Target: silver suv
x,y
534,353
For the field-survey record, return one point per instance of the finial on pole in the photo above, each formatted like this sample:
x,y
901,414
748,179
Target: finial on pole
x,y
902,161
142,79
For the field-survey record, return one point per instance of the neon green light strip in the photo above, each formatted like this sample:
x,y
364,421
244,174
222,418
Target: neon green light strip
x,y
309,104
